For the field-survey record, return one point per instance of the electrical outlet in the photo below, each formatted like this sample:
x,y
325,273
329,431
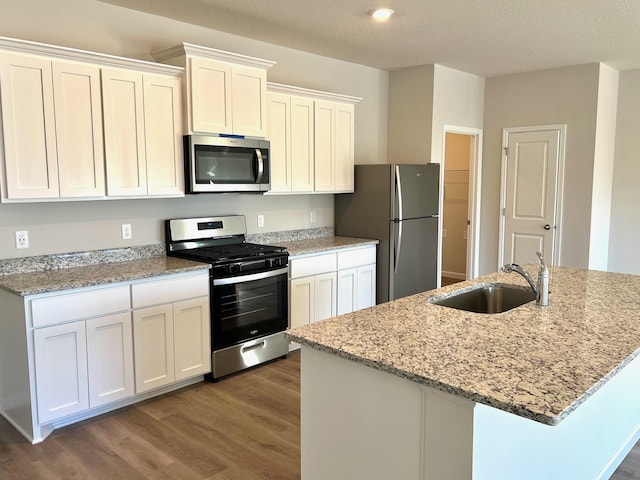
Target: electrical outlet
x,y
126,231
444,233
22,239
313,216
260,220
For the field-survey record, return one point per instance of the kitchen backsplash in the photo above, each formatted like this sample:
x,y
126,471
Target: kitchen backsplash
x,y
112,255
289,235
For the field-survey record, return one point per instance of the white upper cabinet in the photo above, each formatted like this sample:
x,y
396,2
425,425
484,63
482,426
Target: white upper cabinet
x,y
29,132
69,116
209,102
124,132
226,93
142,125
163,134
76,93
312,140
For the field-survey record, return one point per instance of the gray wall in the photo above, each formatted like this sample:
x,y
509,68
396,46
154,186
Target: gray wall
x,y
558,96
95,26
624,237
410,114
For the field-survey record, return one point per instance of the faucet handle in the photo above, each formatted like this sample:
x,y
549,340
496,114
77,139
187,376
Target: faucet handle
x,y
541,258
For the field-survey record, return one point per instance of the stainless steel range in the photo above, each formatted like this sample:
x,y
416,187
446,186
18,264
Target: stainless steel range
x,y
248,289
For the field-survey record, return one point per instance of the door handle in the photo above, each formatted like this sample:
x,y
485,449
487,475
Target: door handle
x,y
547,227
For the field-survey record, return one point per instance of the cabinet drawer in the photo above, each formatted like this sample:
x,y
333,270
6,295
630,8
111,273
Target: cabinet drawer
x,y
302,267
356,258
169,290
74,306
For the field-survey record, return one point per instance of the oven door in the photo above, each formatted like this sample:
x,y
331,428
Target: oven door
x,y
248,306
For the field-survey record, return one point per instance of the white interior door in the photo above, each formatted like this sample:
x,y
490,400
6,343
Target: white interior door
x,y
531,194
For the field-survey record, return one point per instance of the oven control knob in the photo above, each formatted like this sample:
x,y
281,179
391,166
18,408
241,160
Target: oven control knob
x,y
235,268
270,262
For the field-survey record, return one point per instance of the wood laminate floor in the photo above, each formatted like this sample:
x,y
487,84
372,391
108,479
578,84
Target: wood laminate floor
x,y
245,427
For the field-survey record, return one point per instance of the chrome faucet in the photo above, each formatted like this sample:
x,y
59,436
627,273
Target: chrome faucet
x,y
541,286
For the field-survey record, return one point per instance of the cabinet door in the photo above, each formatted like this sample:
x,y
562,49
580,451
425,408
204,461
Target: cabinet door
x,y
210,96
110,358
79,129
302,144
347,290
192,338
279,108
249,93
153,347
324,148
163,135
124,132
61,370
366,287
344,147
30,157
325,290
301,301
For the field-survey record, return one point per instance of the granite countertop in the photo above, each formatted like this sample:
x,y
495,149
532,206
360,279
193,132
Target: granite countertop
x,y
536,362
323,244
65,278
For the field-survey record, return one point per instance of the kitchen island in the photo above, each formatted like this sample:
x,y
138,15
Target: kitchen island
x,y
413,390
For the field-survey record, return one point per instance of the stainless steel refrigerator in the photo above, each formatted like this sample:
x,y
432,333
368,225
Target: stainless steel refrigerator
x,y
399,206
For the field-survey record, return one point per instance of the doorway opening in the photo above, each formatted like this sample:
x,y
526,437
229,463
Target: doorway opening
x,y
460,204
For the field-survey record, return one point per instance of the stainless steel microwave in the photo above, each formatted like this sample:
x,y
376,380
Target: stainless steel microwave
x,y
226,164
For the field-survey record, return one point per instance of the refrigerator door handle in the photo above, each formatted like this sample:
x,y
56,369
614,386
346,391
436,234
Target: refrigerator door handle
x,y
397,249
398,192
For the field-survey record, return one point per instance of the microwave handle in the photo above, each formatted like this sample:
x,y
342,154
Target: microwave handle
x,y
260,165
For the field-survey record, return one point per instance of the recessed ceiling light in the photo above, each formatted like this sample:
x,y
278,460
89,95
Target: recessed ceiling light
x,y
381,14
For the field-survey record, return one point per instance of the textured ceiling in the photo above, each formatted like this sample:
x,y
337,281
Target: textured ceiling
x,y
484,37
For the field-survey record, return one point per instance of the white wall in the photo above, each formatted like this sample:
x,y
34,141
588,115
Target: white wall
x,y
100,27
603,168
559,96
458,100
624,237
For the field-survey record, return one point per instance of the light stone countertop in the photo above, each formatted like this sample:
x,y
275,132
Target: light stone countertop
x,y
320,245
66,278
536,362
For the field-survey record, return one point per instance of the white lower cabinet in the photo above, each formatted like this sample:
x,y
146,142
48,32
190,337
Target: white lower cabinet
x,y
96,347
329,284
109,359
192,338
61,370
153,344
81,365
171,343
312,298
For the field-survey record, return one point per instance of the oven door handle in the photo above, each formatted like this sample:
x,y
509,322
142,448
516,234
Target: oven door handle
x,y
250,278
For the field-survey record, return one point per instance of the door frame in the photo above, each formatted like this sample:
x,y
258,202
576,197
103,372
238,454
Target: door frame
x,y
475,198
557,227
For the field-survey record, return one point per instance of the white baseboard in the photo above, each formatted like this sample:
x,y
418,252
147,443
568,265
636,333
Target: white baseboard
x,y
456,275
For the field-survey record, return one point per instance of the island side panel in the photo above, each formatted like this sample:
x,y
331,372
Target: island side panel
x,y
361,423
589,443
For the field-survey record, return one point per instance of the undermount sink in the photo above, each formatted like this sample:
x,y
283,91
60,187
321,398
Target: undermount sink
x,y
486,298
